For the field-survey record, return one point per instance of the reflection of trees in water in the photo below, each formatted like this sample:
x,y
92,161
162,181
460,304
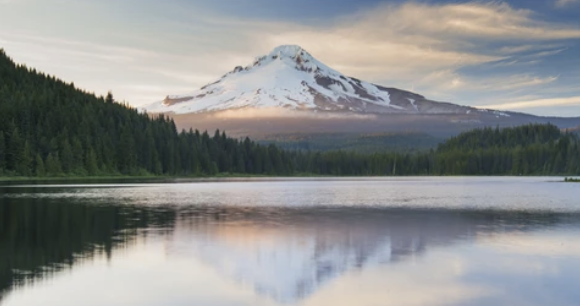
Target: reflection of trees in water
x,y
39,237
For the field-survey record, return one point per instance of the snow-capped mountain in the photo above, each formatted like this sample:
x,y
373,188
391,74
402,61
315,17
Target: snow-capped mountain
x,y
288,91
289,77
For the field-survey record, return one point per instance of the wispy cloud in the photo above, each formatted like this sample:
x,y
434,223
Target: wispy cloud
x,y
536,103
565,3
516,49
450,84
547,53
492,20
133,74
427,44
513,82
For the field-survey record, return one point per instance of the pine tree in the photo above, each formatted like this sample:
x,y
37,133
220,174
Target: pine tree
x,y
14,150
66,157
77,155
40,170
126,152
109,99
91,163
24,164
213,169
2,152
53,166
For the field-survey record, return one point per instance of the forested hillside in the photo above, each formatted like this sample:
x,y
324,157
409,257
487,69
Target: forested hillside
x,y
401,142
525,150
50,128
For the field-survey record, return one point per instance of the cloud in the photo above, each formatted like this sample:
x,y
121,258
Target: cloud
x,y
548,53
516,49
398,45
516,81
527,55
503,83
565,3
387,58
536,103
423,47
449,84
492,20
133,74
426,47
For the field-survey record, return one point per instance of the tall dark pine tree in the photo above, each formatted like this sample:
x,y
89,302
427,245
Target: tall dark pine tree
x,y
39,169
2,152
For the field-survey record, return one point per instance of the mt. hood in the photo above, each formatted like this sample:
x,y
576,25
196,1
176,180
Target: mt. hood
x,y
290,78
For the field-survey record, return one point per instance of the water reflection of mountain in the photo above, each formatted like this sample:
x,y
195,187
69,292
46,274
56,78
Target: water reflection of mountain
x,y
285,254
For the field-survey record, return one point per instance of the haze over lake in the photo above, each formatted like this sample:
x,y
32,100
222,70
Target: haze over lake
x,y
366,241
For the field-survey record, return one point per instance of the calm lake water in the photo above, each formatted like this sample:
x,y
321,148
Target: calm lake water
x,y
403,241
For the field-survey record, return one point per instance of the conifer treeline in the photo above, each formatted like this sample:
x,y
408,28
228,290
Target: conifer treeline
x,y
526,150
50,128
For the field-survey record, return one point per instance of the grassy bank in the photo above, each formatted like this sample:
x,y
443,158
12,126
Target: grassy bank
x,y
572,180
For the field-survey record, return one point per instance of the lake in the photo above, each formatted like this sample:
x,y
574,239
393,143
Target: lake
x,y
345,241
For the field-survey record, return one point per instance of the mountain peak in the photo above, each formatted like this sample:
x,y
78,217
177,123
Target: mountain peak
x,y
289,51
290,55
291,78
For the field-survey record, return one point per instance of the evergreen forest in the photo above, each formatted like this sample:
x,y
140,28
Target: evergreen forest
x,y
51,128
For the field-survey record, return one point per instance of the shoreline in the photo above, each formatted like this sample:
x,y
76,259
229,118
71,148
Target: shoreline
x,y
235,177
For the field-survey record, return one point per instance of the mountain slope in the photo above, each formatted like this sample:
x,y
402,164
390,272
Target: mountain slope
x,y
288,91
289,77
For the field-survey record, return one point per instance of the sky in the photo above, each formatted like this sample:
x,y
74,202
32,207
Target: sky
x,y
510,55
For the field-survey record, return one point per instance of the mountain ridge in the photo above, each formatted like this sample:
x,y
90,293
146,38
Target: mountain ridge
x,y
291,78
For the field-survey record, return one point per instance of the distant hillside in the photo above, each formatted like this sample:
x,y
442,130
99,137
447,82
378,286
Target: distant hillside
x,y
525,150
404,142
507,138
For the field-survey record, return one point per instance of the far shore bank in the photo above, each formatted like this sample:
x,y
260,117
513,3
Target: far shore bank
x,y
224,177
